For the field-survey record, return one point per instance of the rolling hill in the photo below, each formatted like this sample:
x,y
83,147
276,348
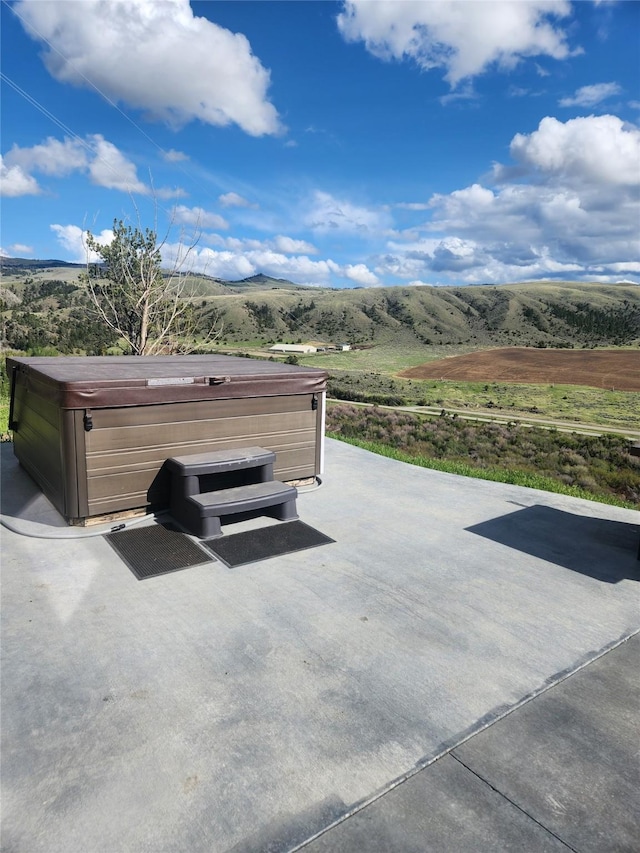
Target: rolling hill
x,y
533,314
44,294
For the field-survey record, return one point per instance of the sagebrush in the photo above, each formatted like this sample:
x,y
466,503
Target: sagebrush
x,y
599,465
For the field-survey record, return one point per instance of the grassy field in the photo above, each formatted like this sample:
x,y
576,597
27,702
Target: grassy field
x,y
372,374
570,403
383,358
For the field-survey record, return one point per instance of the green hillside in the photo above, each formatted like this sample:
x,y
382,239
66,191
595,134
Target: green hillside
x,y
37,301
46,311
535,314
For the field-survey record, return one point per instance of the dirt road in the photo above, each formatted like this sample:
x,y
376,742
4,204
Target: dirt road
x,y
524,420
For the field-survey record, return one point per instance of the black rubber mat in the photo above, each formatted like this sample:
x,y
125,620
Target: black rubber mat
x,y
156,549
250,546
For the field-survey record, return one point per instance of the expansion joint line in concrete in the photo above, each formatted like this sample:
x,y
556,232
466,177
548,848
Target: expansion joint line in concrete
x,y
422,765
512,802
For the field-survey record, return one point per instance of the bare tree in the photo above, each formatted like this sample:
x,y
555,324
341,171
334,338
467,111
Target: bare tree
x,y
146,306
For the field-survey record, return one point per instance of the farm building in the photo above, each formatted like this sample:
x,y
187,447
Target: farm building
x,y
294,348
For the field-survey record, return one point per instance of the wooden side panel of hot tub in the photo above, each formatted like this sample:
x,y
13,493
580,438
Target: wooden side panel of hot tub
x,y
38,443
126,448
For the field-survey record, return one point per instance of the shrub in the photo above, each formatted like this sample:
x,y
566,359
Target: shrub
x,y
600,465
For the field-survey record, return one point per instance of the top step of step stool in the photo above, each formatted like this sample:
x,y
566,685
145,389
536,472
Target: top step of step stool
x,y
220,461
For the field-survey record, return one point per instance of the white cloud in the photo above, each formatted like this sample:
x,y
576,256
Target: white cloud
x,y
464,208
401,264
198,217
465,92
281,244
628,266
595,149
239,258
458,260
298,268
95,156
242,258
72,239
14,181
519,223
589,96
455,254
361,274
111,169
173,156
518,92
158,57
236,244
226,264
21,250
51,157
236,264
463,38
17,250
234,200
412,205
328,213
570,207
289,246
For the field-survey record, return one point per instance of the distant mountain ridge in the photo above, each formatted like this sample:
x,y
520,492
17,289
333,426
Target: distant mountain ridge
x,y
259,281
265,282
265,310
35,264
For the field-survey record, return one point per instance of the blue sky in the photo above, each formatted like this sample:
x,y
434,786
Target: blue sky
x,y
365,143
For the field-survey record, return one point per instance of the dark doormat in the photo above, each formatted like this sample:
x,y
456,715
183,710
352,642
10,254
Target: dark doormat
x,y
156,549
274,541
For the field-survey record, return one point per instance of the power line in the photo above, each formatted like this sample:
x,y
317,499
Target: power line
x,y
38,106
87,80
66,129
52,117
30,27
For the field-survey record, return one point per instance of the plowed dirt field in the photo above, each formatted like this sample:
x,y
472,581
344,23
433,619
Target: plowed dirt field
x,y
612,369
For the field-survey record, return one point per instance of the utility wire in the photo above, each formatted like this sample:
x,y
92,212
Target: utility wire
x,y
300,325
89,82
48,114
43,110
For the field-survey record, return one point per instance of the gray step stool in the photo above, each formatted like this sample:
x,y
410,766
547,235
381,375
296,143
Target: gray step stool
x,y
200,511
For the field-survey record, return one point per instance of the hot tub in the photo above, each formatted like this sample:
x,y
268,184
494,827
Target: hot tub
x,y
94,432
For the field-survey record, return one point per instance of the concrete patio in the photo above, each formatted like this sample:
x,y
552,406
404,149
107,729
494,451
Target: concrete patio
x,y
457,672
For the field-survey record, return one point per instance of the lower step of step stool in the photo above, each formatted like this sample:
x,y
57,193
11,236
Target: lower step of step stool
x,y
202,512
